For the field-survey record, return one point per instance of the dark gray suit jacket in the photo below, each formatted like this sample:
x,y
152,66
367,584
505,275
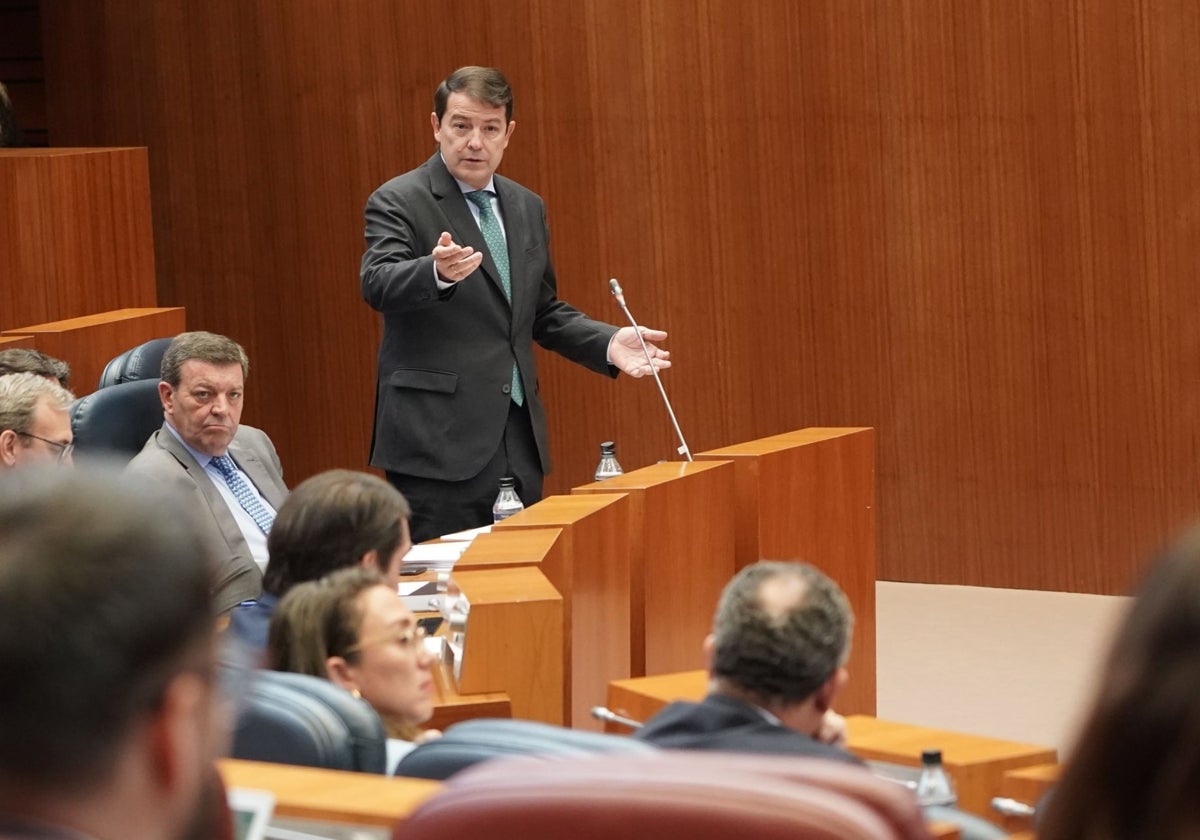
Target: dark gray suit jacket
x,y
445,362
724,723
164,459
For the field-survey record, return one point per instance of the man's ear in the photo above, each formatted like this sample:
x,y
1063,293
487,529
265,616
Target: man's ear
x,y
166,395
710,651
8,447
824,697
370,560
178,742
338,672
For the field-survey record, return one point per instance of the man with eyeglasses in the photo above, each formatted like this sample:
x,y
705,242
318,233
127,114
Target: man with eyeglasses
x,y
35,427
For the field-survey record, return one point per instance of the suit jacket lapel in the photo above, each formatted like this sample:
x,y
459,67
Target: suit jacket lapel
x,y
253,467
464,228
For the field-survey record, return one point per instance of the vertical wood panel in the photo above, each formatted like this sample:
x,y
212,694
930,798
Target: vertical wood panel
x,y
75,233
970,226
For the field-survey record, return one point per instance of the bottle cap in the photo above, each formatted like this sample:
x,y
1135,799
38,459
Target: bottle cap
x,y
608,448
508,481
931,756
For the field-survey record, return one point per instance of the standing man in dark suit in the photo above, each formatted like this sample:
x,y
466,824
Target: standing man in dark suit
x,y
230,472
776,660
458,264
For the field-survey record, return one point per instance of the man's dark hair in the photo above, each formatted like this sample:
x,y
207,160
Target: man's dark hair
x,y
104,599
329,522
780,653
204,347
27,360
486,84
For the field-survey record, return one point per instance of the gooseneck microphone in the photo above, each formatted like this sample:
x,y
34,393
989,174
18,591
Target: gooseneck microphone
x,y
608,716
683,450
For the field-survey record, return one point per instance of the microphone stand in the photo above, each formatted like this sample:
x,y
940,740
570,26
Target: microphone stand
x,y
615,287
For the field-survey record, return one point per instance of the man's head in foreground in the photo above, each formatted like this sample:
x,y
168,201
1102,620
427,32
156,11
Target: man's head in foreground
x,y
106,643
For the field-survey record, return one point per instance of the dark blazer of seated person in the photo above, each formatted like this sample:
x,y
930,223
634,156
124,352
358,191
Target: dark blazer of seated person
x,y
722,722
333,520
776,658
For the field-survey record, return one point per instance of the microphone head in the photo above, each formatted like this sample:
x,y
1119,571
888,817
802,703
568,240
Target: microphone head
x,y
615,287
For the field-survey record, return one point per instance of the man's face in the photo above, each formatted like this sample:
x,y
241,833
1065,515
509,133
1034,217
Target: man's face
x,y
207,406
46,441
472,136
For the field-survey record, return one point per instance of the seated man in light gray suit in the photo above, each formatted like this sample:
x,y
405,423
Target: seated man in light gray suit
x,y
231,472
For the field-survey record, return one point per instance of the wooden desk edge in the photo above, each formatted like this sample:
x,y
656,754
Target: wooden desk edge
x,y
330,795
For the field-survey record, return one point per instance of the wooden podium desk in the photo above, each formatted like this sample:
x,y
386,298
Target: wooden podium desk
x,y
589,566
337,796
682,516
451,707
810,495
976,764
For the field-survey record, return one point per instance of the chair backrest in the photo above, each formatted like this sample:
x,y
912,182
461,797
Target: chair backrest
x,y
141,362
472,741
116,421
298,719
669,794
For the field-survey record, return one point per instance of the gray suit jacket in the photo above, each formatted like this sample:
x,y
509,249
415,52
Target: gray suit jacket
x,y
164,459
445,362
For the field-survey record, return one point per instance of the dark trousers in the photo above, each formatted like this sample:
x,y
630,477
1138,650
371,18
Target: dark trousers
x,y
442,507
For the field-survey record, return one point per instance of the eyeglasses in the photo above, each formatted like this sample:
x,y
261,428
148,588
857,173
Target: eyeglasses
x,y
64,449
411,639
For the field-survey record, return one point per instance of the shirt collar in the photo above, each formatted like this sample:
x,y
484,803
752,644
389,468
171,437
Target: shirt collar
x,y
467,188
201,458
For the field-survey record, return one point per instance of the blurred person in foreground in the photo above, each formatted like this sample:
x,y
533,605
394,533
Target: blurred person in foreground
x,y
1135,769
107,721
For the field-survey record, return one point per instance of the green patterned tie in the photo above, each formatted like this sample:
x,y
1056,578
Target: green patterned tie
x,y
493,235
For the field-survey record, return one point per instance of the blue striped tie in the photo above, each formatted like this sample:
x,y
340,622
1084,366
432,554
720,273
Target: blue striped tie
x,y
242,492
493,235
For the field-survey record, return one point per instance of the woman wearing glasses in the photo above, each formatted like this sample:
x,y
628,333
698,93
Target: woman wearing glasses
x,y
352,629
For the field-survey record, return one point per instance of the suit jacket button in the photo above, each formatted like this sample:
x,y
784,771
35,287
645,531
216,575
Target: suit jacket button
x,y
506,388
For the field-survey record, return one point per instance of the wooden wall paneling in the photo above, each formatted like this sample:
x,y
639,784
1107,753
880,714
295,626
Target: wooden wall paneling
x,y
969,226
87,344
75,233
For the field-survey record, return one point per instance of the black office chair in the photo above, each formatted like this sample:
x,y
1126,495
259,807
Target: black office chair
x,y
472,741
141,362
298,719
116,422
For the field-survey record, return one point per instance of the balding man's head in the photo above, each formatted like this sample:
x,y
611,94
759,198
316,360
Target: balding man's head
x,y
780,632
